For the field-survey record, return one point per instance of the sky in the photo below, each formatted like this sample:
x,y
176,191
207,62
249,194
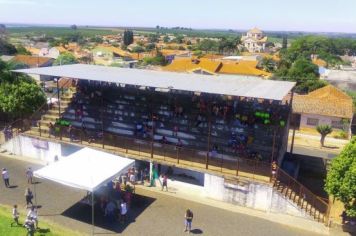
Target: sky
x,y
283,15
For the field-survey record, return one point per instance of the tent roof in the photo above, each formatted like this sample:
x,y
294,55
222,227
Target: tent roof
x,y
85,169
242,86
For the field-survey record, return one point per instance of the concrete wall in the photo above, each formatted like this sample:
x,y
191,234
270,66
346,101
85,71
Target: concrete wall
x,y
251,194
33,148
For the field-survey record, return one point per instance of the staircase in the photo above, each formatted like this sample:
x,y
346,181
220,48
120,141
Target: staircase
x,y
294,191
52,114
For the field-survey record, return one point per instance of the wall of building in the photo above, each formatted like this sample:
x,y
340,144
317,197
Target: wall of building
x,y
251,194
323,120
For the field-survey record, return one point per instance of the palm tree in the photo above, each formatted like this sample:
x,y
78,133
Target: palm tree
x,y
323,130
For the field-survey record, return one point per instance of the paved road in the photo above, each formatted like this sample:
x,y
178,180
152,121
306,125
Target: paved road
x,y
156,214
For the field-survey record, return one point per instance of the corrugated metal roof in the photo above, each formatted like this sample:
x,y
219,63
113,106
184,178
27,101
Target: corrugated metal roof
x,y
242,86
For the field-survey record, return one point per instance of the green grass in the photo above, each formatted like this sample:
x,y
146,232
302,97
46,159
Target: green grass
x,y
47,228
57,31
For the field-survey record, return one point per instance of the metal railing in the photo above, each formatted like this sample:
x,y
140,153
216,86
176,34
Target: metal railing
x,y
148,149
314,205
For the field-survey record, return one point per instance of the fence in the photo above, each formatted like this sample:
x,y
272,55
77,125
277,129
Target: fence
x,y
149,149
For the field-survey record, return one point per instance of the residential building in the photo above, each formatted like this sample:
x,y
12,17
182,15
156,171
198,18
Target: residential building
x,y
33,61
324,106
216,66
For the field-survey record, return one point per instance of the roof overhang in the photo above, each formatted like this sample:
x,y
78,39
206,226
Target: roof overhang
x,y
241,86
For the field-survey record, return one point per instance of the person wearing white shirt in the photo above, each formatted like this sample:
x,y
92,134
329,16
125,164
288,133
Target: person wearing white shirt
x,y
123,211
32,213
6,177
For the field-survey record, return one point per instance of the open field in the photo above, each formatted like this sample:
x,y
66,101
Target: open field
x,y
57,31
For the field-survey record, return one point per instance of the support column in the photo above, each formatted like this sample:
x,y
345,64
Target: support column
x,y
209,133
292,118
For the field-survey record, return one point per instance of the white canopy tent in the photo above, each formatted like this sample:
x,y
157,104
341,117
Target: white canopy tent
x,y
86,169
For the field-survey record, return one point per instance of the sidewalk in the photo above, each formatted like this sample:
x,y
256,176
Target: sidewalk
x,y
332,145
196,194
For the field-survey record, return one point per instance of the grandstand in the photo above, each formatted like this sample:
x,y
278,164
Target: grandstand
x,y
211,120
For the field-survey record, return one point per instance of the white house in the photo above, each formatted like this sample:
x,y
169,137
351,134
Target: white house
x,y
254,40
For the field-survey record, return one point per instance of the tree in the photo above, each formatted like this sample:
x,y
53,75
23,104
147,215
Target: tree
x,y
268,64
150,46
65,59
166,39
302,71
96,39
208,45
341,178
153,38
159,59
86,59
285,42
138,50
19,94
74,27
21,98
23,51
323,130
128,37
2,29
179,38
7,48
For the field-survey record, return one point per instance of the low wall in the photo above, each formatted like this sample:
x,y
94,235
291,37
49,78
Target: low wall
x,y
251,194
33,148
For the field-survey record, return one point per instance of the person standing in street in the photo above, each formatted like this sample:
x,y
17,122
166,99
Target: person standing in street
x,y
164,182
6,177
28,196
188,220
29,175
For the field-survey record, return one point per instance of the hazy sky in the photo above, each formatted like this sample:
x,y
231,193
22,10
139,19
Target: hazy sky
x,y
306,15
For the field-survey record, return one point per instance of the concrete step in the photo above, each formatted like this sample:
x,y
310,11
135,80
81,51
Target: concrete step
x,y
50,117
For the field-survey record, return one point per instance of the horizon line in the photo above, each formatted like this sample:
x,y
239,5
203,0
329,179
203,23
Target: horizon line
x,y
58,25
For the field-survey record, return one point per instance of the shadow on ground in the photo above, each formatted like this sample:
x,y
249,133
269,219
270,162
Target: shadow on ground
x,y
82,212
196,231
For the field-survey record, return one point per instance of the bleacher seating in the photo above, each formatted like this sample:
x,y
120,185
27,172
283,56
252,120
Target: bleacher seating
x,y
239,126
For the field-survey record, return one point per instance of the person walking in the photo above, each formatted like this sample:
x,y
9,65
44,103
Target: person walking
x,y
32,214
123,211
15,215
164,182
28,196
29,175
188,220
6,177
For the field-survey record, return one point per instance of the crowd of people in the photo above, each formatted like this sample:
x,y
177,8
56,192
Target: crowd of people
x,y
233,120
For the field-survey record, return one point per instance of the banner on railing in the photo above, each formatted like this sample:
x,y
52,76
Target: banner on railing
x,y
37,143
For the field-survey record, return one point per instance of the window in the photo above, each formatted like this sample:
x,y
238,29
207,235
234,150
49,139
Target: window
x,y
337,124
312,121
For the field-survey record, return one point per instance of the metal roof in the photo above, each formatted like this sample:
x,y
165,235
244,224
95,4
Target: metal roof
x,y
242,86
